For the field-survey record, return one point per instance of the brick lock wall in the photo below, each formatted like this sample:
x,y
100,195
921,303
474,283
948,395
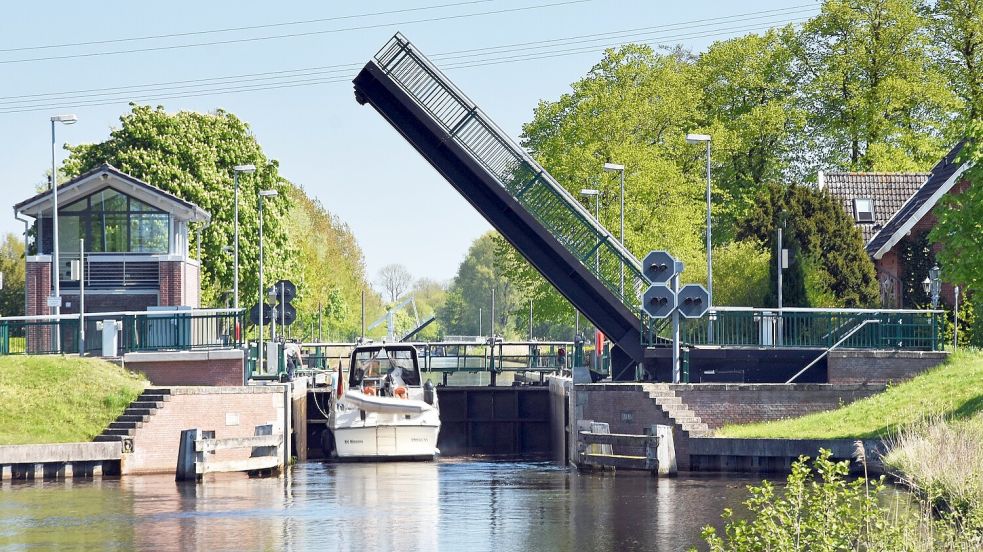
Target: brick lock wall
x,y
201,372
38,288
879,367
171,282
229,411
721,404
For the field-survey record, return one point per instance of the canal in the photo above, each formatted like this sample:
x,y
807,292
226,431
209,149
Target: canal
x,y
452,505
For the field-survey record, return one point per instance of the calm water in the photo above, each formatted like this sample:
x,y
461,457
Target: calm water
x,y
450,505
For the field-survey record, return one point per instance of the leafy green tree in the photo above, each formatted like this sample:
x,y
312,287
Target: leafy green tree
x,y
332,275
749,105
471,290
957,27
740,274
875,97
191,155
12,300
821,236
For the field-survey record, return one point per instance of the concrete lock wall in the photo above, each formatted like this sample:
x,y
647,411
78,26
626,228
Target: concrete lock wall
x,y
854,366
718,404
219,367
229,411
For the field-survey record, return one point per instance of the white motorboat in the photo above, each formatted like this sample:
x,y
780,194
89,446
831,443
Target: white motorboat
x,y
382,409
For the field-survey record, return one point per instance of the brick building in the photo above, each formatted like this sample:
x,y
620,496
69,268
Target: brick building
x,y
887,207
136,244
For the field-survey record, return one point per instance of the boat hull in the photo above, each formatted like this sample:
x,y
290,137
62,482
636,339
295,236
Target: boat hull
x,y
386,442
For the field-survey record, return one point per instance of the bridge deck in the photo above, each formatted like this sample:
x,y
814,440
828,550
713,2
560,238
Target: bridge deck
x,y
513,192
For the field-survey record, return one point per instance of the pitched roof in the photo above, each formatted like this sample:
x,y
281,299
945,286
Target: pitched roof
x,y
81,184
943,176
889,192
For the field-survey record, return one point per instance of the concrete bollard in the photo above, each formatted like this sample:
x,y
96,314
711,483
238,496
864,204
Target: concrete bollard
x,y
666,452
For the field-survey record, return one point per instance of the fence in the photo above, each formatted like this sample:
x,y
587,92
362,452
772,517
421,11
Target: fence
x,y
595,448
916,330
164,330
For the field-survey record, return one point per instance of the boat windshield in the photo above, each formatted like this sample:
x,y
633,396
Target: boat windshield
x,y
371,366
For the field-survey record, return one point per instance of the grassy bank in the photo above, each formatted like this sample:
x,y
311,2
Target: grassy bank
x,y
953,390
56,399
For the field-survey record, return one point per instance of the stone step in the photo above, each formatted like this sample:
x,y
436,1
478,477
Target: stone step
x,y
119,432
668,401
125,425
158,390
132,418
107,438
131,411
146,404
679,412
694,426
153,398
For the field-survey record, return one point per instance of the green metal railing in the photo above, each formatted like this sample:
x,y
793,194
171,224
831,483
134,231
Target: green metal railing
x,y
551,204
183,330
806,329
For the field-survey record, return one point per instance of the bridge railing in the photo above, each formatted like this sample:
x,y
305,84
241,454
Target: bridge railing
x,y
514,169
458,356
894,329
166,330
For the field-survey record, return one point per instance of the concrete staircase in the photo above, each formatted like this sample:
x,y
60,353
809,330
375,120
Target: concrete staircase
x,y
684,419
135,415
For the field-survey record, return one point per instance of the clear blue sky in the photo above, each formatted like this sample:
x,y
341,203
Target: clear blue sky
x,y
399,208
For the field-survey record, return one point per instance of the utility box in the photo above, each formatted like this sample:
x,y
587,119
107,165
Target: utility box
x,y
110,338
766,329
273,356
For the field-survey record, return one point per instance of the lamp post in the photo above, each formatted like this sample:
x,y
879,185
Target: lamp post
x,y
698,139
245,169
262,195
932,285
612,167
68,119
597,211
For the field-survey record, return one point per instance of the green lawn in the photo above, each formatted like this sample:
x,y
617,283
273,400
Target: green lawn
x,y
953,390
59,399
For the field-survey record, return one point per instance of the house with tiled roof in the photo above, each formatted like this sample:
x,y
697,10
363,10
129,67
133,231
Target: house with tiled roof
x,y
888,207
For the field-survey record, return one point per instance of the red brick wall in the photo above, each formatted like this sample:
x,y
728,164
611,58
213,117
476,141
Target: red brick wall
x,y
163,370
721,404
38,288
171,282
155,444
880,367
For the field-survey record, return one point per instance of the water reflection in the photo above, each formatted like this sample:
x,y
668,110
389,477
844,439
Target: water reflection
x,y
449,505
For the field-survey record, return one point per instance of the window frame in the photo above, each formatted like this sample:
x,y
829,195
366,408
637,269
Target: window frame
x,y
868,217
92,223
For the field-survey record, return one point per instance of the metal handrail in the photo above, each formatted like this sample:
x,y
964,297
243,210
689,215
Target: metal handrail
x,y
775,310
463,112
835,345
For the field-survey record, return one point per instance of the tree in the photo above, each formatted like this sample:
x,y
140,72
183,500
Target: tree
x,y
957,27
191,155
832,260
960,221
395,280
12,300
875,98
750,109
470,294
331,278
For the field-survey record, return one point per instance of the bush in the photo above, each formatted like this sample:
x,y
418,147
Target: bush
x,y
740,272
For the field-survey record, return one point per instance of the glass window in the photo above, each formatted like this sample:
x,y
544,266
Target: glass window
x,y
148,232
80,205
115,229
109,200
863,210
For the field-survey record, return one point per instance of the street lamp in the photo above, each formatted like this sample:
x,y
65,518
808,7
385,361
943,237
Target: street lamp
x,y
597,210
931,285
67,119
262,194
698,139
245,169
612,167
